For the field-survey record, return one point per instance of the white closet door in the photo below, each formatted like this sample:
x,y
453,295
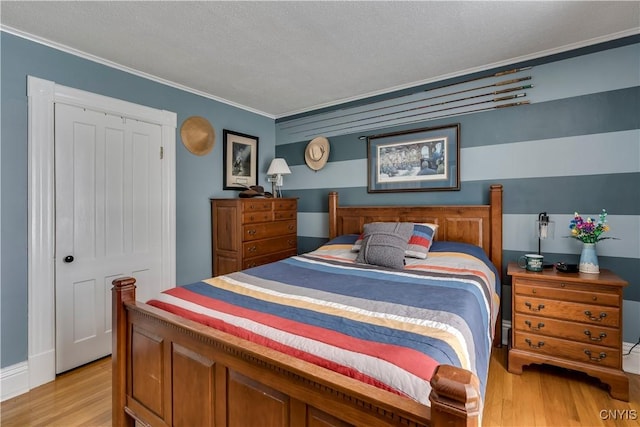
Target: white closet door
x,y
108,223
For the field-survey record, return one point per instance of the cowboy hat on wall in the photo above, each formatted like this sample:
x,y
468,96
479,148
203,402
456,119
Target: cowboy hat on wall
x,y
198,136
316,154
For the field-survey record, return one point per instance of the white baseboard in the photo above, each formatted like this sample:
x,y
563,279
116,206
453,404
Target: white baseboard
x,y
14,380
630,363
42,368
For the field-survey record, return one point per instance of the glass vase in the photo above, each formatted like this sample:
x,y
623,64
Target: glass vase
x,y
589,259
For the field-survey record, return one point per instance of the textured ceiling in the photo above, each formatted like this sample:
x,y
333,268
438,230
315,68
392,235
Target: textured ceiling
x,y
281,58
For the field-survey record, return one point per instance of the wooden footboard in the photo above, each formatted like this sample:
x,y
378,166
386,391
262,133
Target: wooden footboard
x,y
171,371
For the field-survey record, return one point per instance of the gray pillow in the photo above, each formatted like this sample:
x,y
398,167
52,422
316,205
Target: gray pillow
x,y
384,244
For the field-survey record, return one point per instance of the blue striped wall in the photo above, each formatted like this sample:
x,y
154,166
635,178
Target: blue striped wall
x,y
576,147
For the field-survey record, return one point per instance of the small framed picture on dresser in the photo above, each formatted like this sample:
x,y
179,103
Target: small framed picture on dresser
x,y
240,162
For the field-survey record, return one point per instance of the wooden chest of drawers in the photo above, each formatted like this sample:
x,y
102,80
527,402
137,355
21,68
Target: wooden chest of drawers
x,y
251,232
572,320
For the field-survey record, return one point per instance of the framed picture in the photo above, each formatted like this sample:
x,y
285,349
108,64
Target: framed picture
x,y
417,160
240,166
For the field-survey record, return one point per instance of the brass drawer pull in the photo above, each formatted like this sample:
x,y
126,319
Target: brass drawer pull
x,y
540,343
534,328
540,306
291,227
602,335
602,355
252,248
291,242
251,232
593,318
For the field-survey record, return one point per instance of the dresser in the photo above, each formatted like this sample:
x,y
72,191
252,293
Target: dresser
x,y
251,232
571,320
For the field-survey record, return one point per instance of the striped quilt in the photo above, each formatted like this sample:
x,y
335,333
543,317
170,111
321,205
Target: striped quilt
x,y
388,328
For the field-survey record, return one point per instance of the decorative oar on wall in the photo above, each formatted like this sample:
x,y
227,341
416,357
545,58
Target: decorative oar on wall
x,y
465,97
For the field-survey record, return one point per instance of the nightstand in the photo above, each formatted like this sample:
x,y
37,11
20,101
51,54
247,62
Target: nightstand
x,y
571,320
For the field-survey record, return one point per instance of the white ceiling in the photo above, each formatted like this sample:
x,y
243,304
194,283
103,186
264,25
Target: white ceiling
x,y
284,57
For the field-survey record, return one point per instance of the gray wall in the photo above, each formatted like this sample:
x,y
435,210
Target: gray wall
x,y
576,147
197,178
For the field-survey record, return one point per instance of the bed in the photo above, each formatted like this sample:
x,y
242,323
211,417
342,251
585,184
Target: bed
x,y
171,370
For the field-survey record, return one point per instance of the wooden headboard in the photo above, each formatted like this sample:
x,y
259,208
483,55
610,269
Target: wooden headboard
x,y
480,225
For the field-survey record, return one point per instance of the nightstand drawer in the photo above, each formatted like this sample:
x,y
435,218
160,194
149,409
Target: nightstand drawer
x,y
266,246
566,292
591,334
268,229
566,310
579,352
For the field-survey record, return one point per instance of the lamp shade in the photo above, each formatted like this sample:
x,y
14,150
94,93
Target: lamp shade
x,y
278,166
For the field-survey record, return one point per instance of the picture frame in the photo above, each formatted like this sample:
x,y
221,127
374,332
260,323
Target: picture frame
x,y
426,159
240,164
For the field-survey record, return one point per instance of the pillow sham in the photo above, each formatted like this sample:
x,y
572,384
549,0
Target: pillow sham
x,y
421,239
384,244
419,242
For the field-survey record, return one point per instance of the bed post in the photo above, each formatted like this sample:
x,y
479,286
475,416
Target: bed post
x,y
455,398
495,195
333,214
495,201
124,290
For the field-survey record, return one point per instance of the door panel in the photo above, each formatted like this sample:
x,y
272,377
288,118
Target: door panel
x,y
108,217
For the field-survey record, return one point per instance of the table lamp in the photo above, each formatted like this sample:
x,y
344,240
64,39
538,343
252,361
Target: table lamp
x,y
277,168
544,229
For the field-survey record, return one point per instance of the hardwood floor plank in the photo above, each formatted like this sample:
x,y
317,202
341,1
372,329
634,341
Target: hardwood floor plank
x,y
542,396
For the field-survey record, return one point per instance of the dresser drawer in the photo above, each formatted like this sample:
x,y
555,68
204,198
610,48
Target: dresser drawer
x,y
266,246
257,205
566,292
284,215
579,352
285,205
566,310
269,229
266,259
257,216
590,334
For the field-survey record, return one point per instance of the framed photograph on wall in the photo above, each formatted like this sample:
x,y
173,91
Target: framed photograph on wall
x,y
240,167
424,159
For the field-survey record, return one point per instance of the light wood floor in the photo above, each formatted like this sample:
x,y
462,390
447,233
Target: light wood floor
x,y
541,396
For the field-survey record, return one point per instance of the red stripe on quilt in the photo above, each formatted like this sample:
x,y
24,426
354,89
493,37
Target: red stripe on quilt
x,y
415,362
262,340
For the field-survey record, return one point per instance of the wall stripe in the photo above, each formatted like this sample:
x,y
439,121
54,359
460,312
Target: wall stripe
x,y
618,193
571,156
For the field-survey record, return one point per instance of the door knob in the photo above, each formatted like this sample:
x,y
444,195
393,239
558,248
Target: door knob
x,y
68,258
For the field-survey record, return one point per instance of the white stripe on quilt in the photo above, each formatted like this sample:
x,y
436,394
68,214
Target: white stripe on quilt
x,y
465,359
388,373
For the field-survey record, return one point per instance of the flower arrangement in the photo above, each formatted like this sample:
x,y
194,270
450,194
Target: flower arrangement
x,y
588,231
